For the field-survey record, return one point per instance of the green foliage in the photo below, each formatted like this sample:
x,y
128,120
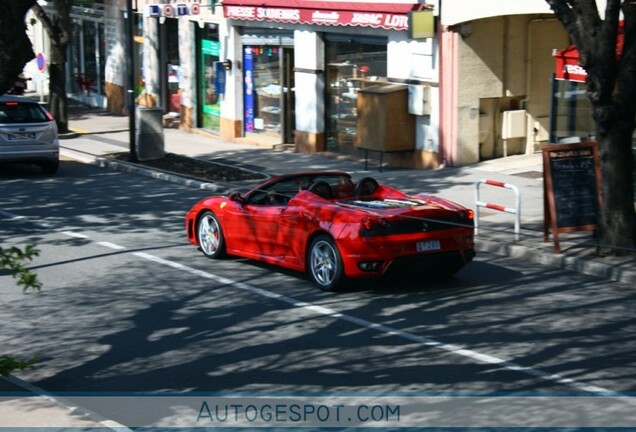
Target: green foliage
x,y
13,260
8,364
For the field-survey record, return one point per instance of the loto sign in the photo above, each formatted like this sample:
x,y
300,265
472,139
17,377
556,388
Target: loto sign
x,y
173,10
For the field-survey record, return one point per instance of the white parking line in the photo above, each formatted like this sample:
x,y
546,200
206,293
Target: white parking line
x,y
321,310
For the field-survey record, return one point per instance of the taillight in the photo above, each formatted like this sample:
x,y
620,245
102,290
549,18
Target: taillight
x,y
49,116
368,223
11,104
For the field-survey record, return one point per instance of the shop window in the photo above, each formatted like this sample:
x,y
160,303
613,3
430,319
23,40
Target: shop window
x,y
263,90
352,64
209,99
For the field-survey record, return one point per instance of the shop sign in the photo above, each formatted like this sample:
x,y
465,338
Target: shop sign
x,y
173,10
383,20
567,65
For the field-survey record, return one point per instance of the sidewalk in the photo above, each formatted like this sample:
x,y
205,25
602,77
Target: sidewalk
x,y
101,133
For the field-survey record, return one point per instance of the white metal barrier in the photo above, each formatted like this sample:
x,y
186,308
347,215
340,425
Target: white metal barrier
x,y
516,210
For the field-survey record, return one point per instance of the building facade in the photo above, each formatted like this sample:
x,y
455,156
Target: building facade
x,y
333,76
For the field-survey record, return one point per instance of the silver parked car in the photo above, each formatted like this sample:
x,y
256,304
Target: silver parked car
x,y
28,133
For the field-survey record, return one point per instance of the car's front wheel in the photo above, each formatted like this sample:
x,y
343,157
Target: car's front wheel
x,y
210,236
325,264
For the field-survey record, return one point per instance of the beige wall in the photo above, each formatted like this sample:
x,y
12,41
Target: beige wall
x,y
505,63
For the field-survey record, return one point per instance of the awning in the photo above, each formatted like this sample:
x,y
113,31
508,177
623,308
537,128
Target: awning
x,y
391,16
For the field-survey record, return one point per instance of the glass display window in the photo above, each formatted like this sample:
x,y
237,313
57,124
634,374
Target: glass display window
x,y
352,64
263,90
209,52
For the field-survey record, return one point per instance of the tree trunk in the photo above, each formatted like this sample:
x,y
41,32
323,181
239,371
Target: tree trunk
x,y
617,221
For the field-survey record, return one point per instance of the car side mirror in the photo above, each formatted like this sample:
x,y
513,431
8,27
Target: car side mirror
x,y
237,197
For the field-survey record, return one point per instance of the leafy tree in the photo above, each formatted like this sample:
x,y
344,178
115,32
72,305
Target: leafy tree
x,y
15,46
611,89
13,260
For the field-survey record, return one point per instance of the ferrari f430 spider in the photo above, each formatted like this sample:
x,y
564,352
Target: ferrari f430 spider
x,y
335,229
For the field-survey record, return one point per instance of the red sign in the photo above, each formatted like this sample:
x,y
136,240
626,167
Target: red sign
x,y
567,65
567,61
391,16
309,16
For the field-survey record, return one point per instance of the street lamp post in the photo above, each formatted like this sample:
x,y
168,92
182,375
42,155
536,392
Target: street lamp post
x,y
131,79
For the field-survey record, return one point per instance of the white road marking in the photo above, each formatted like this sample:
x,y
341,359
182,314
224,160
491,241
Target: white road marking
x,y
73,408
451,348
74,234
111,245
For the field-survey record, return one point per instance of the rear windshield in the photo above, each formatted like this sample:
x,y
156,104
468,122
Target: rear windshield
x,y
19,112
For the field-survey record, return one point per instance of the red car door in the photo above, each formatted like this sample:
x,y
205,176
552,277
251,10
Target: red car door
x,y
252,229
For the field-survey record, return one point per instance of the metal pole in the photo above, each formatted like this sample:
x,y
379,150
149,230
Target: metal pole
x,y
131,79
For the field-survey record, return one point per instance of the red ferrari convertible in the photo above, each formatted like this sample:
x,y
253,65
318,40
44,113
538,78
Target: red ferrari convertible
x,y
325,224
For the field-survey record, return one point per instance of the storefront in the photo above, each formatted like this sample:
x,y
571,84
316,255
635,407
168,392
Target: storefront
x,y
86,60
87,54
180,50
304,63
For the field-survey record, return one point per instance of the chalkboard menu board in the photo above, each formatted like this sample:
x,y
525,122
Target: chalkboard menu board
x,y
572,188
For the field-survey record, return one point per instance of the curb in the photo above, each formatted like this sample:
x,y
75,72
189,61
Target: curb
x,y
134,169
578,265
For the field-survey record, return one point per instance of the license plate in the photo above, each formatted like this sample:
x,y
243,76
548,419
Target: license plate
x,y
21,136
430,245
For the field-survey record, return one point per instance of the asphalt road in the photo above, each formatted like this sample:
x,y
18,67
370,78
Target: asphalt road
x,y
129,306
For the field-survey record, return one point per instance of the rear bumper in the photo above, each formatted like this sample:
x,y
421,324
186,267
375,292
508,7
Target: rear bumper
x,y
457,248
30,155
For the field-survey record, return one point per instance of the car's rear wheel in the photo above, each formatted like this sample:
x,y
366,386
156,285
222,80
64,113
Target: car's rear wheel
x,y
325,264
210,236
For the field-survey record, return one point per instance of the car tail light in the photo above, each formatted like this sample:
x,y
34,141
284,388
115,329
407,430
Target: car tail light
x,y
49,116
11,104
373,226
368,223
